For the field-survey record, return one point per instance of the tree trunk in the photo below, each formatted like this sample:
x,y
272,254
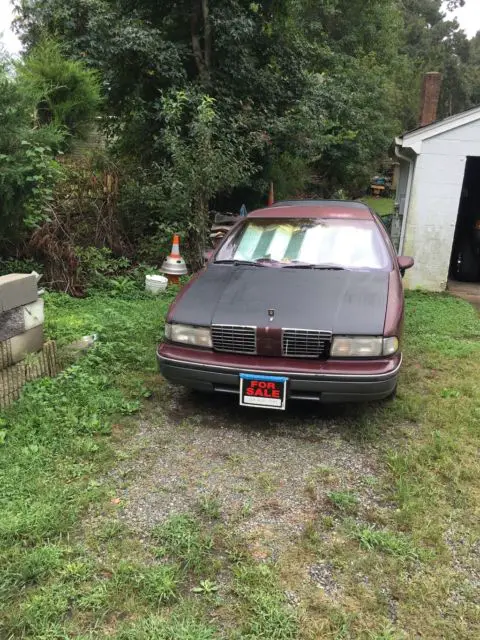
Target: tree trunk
x,y
198,236
202,56
207,36
196,46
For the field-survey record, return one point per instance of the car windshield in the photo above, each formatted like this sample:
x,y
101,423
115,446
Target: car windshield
x,y
329,243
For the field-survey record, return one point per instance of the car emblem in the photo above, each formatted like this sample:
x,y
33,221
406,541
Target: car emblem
x,y
271,314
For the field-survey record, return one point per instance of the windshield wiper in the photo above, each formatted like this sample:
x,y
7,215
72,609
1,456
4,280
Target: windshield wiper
x,y
265,262
240,262
317,267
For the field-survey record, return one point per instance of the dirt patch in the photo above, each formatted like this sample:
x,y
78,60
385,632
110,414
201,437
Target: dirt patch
x,y
468,291
265,474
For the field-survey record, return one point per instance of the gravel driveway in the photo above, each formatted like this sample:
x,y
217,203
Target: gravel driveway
x,y
265,473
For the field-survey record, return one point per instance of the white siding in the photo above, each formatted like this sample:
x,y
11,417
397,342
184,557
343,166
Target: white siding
x,y
402,185
432,215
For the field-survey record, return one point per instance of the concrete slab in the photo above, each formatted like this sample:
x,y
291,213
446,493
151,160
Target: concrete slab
x,y
15,349
33,314
12,323
21,319
16,290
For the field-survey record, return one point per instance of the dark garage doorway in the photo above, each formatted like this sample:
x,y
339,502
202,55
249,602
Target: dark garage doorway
x,y
465,260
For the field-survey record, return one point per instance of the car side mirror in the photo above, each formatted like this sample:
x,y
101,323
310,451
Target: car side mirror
x,y
207,255
404,263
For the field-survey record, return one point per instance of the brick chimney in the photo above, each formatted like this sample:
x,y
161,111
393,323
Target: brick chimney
x,y
432,83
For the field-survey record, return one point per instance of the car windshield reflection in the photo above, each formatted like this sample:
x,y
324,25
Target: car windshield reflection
x,y
334,244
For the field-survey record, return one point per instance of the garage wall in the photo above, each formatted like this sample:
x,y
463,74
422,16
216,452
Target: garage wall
x,y
433,210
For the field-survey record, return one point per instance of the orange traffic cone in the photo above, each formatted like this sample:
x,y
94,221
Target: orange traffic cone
x,y
271,199
174,265
175,252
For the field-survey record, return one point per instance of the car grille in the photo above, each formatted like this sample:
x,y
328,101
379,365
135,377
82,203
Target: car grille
x,y
302,343
234,338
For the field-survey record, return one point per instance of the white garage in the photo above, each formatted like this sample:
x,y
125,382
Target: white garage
x,y
438,198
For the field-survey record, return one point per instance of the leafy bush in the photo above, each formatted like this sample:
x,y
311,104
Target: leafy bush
x,y
155,220
100,271
48,100
83,214
97,266
14,265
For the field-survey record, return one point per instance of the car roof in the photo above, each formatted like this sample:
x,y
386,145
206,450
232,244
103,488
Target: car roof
x,y
315,209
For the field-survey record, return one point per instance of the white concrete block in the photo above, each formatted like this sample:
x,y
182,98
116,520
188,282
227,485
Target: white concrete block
x,y
33,314
21,319
17,289
15,349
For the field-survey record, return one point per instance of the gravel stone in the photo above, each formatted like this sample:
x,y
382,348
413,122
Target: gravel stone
x,y
322,576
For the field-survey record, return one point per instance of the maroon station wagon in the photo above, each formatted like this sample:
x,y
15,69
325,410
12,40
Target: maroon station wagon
x,y
301,300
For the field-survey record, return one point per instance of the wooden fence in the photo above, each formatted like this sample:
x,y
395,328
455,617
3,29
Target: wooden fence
x,y
37,365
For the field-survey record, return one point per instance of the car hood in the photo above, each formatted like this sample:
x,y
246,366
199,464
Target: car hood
x,y
344,302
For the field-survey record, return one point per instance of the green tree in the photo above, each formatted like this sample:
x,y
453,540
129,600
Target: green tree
x,y
28,170
433,42
308,93
66,93
472,72
256,59
202,157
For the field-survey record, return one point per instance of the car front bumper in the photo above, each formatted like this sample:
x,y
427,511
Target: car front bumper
x,y
330,381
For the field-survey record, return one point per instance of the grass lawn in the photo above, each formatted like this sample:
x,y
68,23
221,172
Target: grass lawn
x,y
381,206
70,569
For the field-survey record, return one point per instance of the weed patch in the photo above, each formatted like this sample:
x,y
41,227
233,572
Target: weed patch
x,y
181,538
395,544
156,584
345,501
210,506
266,614
176,627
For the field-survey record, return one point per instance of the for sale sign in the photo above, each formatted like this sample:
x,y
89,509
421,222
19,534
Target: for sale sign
x,y
263,391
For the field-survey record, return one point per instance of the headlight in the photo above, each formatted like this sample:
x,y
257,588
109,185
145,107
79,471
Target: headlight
x,y
363,347
186,334
390,346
